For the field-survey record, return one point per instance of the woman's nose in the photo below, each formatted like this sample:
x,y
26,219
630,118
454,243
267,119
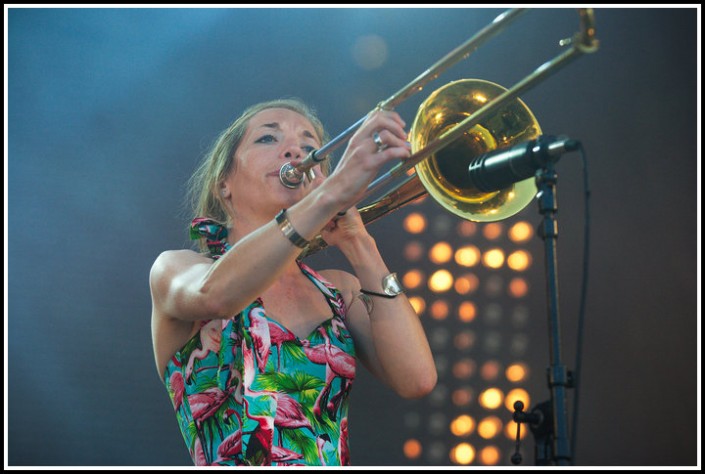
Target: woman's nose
x,y
293,152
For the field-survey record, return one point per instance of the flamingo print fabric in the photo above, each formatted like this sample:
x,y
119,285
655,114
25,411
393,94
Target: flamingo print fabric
x,y
247,391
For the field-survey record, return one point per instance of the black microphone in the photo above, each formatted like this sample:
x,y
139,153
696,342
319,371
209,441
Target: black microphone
x,y
498,169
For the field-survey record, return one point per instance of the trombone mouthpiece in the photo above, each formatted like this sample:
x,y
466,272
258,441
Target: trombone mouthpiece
x,y
289,176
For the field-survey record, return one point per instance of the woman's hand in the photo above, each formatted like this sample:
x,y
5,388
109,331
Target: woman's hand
x,y
381,139
345,230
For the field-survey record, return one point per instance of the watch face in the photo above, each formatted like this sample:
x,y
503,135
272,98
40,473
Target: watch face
x,y
391,285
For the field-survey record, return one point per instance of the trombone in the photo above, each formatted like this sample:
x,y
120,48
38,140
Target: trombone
x,y
454,125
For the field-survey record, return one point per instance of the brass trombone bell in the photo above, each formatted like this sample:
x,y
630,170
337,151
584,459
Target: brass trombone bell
x,y
457,123
444,174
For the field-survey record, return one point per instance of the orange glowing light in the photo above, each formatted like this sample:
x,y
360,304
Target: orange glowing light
x,y
412,448
415,223
441,281
440,253
464,453
519,260
518,287
521,232
467,256
462,425
492,231
467,311
493,258
491,398
516,372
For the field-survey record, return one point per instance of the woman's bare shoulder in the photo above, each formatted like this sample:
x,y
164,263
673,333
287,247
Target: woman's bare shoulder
x,y
172,262
181,256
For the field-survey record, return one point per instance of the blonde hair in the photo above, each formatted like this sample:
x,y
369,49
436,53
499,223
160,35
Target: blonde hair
x,y
203,197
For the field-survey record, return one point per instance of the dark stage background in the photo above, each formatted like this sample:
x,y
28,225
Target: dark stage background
x,y
108,111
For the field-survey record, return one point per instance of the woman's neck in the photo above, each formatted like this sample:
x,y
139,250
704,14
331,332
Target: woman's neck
x,y
243,224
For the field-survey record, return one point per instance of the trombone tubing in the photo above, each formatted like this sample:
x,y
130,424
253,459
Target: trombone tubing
x,y
581,43
417,85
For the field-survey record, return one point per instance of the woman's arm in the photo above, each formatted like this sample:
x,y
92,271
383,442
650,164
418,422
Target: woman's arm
x,y
390,340
189,287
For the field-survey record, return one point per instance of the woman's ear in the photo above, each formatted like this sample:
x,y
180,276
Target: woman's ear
x,y
224,191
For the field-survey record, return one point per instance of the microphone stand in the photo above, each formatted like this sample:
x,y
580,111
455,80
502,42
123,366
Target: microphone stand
x,y
549,423
493,171
558,377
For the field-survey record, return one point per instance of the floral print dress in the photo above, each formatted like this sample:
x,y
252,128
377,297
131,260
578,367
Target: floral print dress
x,y
247,391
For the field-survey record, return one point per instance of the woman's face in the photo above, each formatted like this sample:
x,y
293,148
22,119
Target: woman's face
x,y
273,137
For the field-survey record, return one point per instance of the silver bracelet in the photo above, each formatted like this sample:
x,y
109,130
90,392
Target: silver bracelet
x,y
289,231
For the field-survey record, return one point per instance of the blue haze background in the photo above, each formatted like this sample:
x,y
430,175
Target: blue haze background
x,y
108,111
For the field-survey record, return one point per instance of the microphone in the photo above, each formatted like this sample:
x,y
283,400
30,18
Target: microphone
x,y
498,169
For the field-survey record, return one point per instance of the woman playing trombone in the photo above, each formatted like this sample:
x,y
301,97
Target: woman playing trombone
x,y
258,351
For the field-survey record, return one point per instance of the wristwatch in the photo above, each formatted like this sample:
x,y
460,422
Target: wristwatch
x,y
391,285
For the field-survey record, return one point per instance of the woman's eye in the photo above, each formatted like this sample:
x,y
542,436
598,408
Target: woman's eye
x,y
266,139
272,139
